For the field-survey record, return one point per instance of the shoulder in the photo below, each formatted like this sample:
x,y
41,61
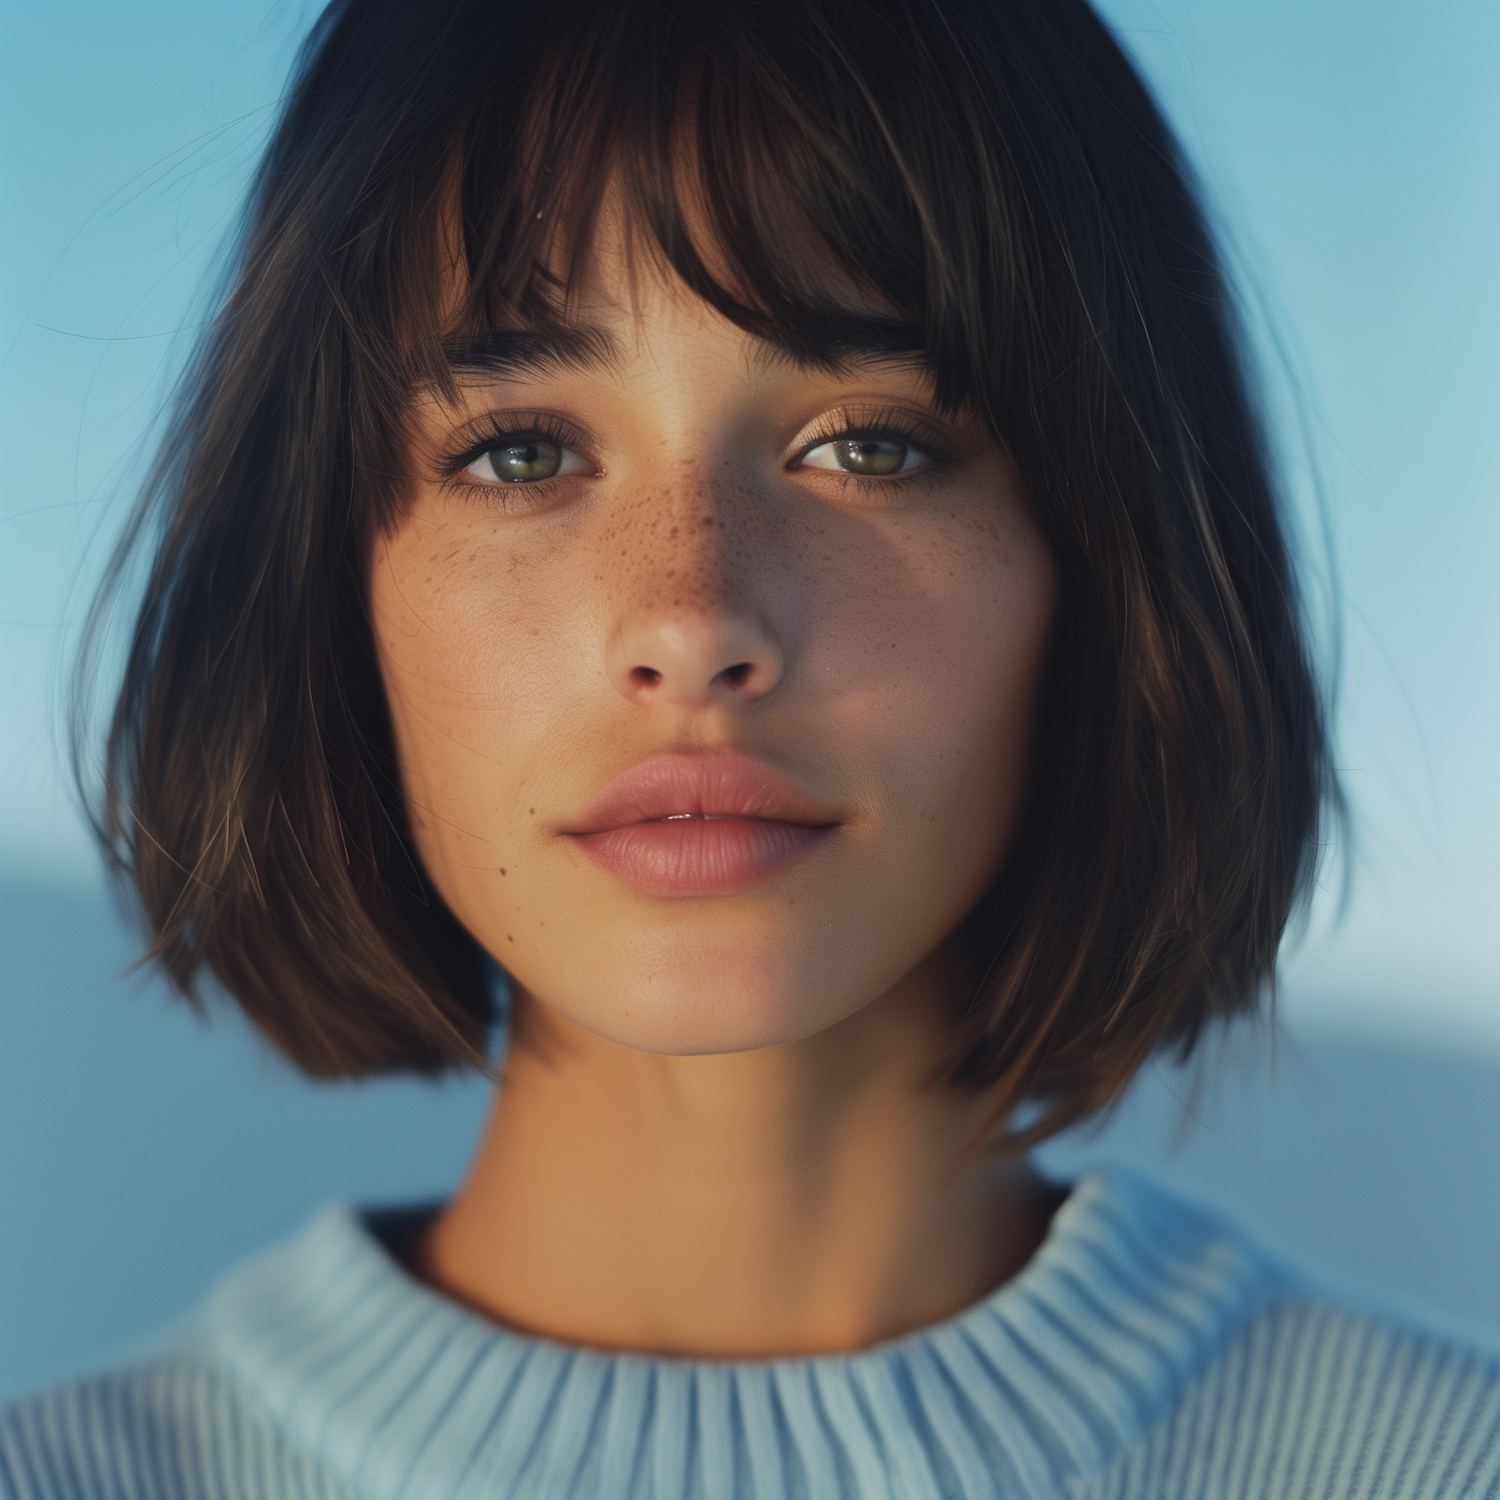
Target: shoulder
x,y
1314,1396
171,1428
223,1407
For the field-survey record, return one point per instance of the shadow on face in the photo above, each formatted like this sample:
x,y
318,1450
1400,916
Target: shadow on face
x,y
713,671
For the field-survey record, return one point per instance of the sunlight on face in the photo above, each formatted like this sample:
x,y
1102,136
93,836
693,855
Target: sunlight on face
x,y
713,678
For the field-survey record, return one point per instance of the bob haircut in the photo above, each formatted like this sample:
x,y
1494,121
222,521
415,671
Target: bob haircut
x,y
993,173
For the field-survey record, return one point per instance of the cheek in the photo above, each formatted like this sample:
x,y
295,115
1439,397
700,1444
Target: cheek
x,y
943,646
462,659
942,655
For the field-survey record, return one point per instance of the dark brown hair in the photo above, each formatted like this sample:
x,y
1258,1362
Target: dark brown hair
x,y
994,172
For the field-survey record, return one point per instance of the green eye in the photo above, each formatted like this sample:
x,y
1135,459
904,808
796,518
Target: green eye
x,y
518,463
868,456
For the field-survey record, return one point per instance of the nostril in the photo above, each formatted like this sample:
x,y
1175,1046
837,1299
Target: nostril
x,y
692,661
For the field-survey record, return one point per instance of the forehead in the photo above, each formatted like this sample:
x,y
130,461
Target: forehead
x,y
617,295
611,287
601,349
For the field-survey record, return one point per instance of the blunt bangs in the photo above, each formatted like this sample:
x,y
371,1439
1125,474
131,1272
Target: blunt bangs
x,y
981,185
791,166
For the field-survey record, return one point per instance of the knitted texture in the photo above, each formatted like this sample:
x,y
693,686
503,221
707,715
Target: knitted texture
x,y
1148,1351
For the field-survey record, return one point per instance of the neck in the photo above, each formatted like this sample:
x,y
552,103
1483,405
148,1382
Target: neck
x,y
803,1198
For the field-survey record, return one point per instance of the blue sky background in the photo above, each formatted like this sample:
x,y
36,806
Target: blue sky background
x,y
1352,153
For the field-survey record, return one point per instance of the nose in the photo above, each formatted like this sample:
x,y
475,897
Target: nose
x,y
693,659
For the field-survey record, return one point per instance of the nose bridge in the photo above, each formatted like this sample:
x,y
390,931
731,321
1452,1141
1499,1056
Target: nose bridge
x,y
702,524
693,544
691,568
694,626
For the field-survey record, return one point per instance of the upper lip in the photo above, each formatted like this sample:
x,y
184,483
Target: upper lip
x,y
719,785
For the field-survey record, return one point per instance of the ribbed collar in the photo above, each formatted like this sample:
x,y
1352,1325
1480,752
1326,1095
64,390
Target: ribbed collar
x,y
402,1393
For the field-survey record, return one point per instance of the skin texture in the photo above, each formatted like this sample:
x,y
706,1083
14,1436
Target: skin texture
x,y
716,1133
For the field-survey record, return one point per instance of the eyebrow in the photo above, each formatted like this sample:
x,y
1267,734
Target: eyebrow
x,y
838,343
841,341
508,353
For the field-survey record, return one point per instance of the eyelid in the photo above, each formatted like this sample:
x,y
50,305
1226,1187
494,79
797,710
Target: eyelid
x,y
504,428
873,422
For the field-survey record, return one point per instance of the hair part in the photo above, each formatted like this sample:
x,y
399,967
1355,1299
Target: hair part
x,y
991,172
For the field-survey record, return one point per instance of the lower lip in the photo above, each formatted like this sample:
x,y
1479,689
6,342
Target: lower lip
x,y
700,856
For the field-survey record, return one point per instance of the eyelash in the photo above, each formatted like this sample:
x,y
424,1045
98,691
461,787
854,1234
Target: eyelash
x,y
891,424
492,432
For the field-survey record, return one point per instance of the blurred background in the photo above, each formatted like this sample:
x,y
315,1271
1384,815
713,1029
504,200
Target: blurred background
x,y
1351,154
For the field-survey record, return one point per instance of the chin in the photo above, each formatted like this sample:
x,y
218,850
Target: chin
x,y
714,998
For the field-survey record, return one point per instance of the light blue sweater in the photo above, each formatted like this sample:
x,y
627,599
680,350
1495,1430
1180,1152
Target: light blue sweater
x,y
1147,1352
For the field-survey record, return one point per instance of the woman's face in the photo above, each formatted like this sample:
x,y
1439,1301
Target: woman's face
x,y
713,677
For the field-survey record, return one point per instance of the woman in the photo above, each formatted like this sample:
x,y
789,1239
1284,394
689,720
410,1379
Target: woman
x,y
748,518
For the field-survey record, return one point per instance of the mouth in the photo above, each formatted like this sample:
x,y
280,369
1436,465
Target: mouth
x,y
701,825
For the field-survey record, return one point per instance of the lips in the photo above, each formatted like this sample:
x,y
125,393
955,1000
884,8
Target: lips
x,y
700,825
